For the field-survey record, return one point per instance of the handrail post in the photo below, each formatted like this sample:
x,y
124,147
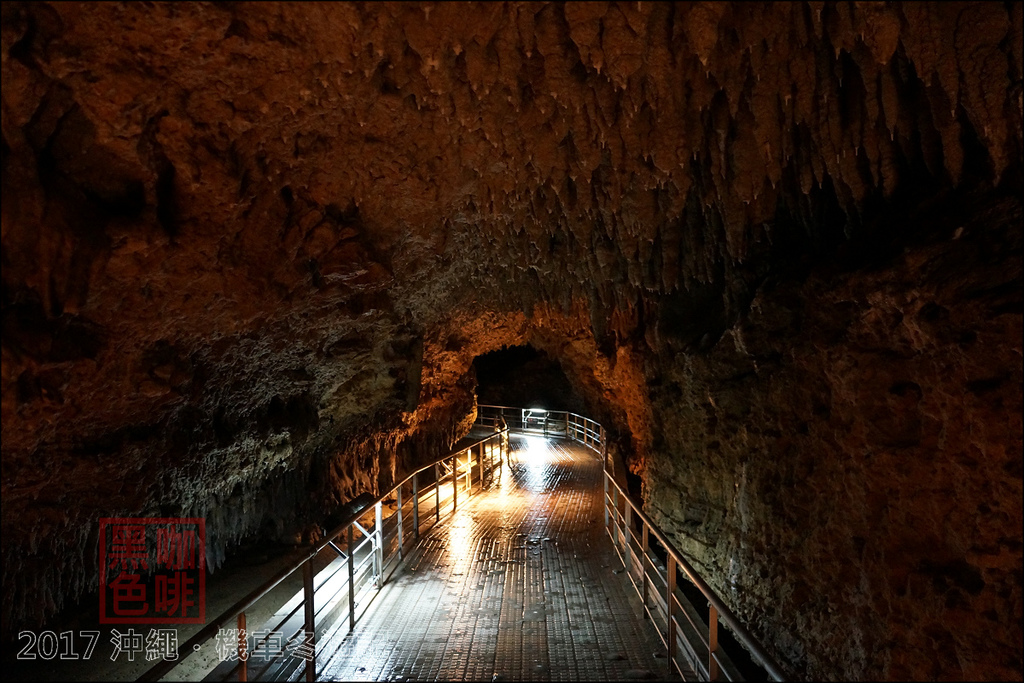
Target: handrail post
x,y
712,642
627,553
490,461
401,530
416,505
605,506
243,657
670,611
615,516
351,578
643,570
480,462
437,493
378,532
455,483
307,586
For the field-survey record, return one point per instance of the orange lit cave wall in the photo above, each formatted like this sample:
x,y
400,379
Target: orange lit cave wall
x,y
250,251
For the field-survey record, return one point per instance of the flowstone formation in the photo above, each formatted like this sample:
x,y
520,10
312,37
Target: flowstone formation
x,y
250,252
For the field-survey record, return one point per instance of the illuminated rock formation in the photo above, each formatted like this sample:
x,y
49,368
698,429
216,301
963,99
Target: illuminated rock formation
x,y
250,252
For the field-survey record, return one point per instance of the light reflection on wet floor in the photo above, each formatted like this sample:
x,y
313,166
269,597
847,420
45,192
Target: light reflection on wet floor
x,y
518,585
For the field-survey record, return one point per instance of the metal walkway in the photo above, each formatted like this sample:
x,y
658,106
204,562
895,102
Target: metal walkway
x,y
520,583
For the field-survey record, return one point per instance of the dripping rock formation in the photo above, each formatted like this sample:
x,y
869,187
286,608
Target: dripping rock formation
x,y
251,250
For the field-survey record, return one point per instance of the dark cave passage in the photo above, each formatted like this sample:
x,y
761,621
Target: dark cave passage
x,y
262,259
524,376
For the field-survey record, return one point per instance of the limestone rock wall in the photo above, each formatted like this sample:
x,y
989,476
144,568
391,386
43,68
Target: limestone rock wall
x,y
250,251
845,463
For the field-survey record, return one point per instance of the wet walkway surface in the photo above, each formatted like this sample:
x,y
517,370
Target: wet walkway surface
x,y
521,584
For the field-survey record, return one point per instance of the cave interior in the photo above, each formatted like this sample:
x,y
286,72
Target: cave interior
x,y
281,251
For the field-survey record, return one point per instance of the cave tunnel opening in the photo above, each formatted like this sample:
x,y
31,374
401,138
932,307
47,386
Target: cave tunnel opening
x,y
528,377
524,377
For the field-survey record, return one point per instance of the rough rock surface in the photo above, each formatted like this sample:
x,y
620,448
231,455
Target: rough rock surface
x,y
846,462
250,252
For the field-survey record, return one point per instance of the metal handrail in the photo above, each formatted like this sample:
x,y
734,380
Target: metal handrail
x,y
363,504
578,428
717,609
575,424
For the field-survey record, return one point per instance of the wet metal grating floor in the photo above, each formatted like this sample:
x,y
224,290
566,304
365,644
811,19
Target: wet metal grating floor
x,y
519,585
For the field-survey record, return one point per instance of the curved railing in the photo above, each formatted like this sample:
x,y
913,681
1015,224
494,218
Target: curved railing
x,y
557,423
651,561
362,564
